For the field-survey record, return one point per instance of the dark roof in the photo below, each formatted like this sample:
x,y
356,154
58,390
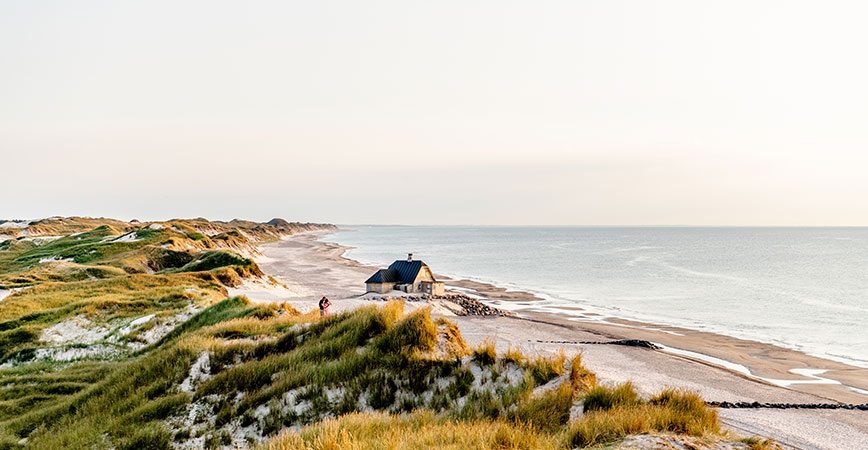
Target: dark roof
x,y
401,271
407,270
384,276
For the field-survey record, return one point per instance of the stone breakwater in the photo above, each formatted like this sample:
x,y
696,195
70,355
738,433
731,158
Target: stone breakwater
x,y
625,342
758,405
469,306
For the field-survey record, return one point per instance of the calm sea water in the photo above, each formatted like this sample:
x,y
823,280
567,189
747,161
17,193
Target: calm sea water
x,y
801,288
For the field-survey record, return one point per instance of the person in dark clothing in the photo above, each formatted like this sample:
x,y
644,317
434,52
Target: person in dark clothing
x,y
324,306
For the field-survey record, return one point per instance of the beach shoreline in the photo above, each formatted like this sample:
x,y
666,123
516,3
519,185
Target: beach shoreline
x,y
760,361
719,367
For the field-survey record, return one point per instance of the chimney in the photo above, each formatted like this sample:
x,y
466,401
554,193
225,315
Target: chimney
x,y
409,257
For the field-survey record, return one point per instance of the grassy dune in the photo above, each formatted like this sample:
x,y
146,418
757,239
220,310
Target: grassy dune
x,y
120,335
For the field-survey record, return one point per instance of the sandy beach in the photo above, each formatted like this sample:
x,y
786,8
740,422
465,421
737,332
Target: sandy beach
x,y
720,368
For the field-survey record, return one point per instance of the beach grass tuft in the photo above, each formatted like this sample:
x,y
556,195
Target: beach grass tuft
x,y
484,353
581,378
545,368
601,398
757,443
613,413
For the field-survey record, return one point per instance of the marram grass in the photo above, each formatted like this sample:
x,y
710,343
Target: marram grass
x,y
417,431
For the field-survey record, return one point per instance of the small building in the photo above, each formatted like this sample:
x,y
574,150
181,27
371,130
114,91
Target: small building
x,y
407,276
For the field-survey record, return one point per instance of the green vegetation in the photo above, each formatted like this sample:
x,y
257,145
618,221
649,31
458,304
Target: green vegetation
x,y
212,260
605,398
111,303
239,365
127,401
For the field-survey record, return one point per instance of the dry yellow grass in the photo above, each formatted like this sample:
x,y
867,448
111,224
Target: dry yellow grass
x,y
420,430
485,352
514,355
670,411
582,378
450,343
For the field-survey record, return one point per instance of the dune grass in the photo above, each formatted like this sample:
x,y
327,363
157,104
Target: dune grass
x,y
107,250
600,398
27,313
124,402
260,356
541,423
328,364
582,378
417,431
234,364
211,260
614,413
757,443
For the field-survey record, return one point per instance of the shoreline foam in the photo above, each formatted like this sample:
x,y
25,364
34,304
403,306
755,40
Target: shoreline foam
x,y
320,267
763,361
818,312
544,302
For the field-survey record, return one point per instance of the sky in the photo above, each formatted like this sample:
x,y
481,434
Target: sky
x,y
449,112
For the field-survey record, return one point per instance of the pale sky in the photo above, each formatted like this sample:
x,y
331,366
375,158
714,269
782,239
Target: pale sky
x,y
437,112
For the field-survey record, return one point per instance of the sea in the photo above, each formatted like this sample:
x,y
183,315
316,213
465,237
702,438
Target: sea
x,y
801,288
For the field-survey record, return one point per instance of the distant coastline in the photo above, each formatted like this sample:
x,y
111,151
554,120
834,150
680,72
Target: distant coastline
x,y
763,361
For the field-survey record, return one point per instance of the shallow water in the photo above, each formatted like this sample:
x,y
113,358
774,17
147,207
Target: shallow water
x,y
801,288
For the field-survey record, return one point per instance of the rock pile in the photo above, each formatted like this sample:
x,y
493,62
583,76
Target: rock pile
x,y
471,306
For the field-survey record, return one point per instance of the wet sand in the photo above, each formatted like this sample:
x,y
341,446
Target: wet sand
x,y
742,371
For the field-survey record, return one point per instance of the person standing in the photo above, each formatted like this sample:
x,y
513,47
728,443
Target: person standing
x,y
324,306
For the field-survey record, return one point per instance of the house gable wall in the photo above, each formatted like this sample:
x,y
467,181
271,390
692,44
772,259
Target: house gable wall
x,y
424,275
